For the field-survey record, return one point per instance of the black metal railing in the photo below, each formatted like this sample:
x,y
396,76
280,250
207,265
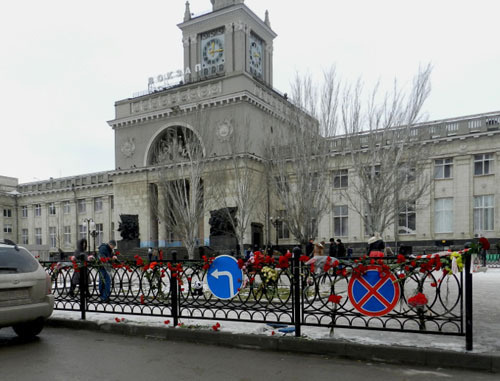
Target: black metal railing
x,y
290,291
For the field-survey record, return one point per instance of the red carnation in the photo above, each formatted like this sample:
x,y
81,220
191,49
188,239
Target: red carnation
x,y
334,299
418,300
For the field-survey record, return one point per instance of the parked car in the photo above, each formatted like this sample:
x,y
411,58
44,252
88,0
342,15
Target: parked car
x,y
26,299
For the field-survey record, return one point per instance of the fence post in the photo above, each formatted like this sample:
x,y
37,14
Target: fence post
x,y
468,303
83,289
173,293
297,252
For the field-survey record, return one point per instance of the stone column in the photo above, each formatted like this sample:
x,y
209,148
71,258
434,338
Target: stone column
x,y
162,231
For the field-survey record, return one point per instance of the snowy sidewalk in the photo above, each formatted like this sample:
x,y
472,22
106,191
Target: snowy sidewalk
x,y
486,324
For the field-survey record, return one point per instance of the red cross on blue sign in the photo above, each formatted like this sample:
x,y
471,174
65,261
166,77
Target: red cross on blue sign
x,y
373,294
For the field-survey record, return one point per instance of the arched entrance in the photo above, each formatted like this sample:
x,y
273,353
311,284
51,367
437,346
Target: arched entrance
x,y
176,188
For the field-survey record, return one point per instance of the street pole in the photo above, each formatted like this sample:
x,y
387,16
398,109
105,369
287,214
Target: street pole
x,y
88,221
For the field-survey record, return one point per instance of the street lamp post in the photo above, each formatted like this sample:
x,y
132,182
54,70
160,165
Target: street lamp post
x,y
88,221
276,221
91,232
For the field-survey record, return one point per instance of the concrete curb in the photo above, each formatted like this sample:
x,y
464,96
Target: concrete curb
x,y
489,362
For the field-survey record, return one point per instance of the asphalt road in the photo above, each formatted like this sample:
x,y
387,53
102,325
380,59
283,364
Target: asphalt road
x,y
69,355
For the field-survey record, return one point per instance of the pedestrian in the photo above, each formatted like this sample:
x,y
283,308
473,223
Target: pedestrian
x,y
332,250
319,250
80,255
310,248
350,252
160,254
340,248
485,246
150,254
376,246
155,254
105,253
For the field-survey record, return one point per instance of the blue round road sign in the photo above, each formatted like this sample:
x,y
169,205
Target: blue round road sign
x,y
224,277
373,295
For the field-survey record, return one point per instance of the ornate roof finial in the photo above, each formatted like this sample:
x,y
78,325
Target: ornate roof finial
x,y
267,21
219,4
187,13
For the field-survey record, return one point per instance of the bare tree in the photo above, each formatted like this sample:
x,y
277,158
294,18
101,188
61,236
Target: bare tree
x,y
387,160
237,185
179,199
300,164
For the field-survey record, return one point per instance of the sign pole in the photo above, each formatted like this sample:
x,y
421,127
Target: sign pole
x,y
297,252
468,304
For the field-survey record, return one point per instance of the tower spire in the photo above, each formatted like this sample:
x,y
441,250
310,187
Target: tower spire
x,y
219,4
267,21
187,13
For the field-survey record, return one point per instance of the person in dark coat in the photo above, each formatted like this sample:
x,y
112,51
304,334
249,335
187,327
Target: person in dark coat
x,y
485,246
80,255
376,246
105,251
310,248
341,251
332,250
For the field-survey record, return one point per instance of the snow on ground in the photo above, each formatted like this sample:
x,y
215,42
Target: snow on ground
x,y
486,324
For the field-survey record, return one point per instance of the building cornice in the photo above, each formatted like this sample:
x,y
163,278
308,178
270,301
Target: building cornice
x,y
65,190
210,160
264,99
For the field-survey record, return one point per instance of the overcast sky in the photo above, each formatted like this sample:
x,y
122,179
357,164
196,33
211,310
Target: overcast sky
x,y
64,63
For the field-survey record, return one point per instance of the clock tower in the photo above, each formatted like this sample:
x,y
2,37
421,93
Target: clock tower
x,y
230,40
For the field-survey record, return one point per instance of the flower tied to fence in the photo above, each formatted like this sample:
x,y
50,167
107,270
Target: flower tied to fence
x,y
419,300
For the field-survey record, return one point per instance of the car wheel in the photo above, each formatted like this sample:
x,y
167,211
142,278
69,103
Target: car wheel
x,y
30,329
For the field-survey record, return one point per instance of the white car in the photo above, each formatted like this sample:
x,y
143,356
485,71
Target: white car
x,y
26,299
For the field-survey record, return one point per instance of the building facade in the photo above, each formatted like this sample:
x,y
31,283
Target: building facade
x,y
226,91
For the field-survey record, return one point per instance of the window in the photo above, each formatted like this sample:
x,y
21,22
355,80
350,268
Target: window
x,y
38,210
7,228
66,207
407,219
99,239
443,168
112,202
38,236
82,231
443,210
407,174
340,221
484,213
24,211
98,204
52,236
24,237
7,213
341,179
371,170
282,227
52,209
67,235
82,206
483,164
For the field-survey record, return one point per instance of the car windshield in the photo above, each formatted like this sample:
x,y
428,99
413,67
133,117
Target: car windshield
x,y
18,260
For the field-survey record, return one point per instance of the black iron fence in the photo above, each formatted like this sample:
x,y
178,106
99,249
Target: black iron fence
x,y
430,295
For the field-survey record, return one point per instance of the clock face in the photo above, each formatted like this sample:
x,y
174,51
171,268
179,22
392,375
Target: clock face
x,y
256,56
212,51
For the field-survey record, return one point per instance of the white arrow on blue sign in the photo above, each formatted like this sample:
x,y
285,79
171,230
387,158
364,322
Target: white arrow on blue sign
x,y
224,277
